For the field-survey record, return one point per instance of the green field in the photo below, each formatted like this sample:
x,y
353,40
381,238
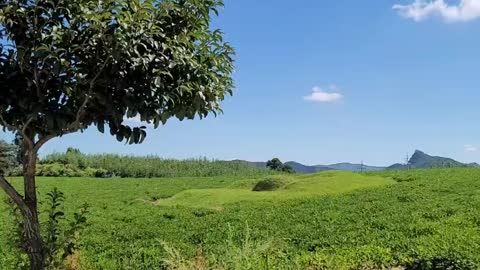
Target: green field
x,y
331,220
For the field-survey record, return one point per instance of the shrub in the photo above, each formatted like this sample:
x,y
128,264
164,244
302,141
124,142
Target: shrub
x,y
101,173
7,157
239,252
62,235
15,171
404,178
54,170
151,166
70,170
268,184
442,262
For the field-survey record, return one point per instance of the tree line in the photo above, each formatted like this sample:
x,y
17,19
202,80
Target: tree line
x,y
74,163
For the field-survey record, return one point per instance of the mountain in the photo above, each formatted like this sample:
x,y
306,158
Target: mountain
x,y
301,168
420,160
354,167
397,167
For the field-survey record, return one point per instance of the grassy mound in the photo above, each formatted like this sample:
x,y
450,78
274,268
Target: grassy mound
x,y
282,188
268,184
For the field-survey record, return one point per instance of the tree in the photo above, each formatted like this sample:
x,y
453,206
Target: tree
x,y
277,165
287,169
7,156
274,164
73,151
68,65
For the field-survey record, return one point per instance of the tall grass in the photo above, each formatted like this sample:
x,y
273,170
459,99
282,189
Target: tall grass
x,y
153,166
246,254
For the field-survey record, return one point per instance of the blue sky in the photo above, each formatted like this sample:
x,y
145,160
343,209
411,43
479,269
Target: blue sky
x,y
328,81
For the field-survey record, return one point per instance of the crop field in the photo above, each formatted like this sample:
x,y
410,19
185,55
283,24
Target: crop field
x,y
422,219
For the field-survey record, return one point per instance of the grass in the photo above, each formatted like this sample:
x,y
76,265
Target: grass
x,y
330,220
294,187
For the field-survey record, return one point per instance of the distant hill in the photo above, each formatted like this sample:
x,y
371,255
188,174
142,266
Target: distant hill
x,y
301,168
354,167
397,166
420,160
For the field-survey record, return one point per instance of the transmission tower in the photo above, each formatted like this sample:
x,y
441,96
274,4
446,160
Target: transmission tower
x,y
407,161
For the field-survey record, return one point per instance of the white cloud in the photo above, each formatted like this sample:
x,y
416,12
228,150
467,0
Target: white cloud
x,y
320,95
470,148
465,10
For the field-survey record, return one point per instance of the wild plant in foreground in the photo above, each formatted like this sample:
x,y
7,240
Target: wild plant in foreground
x,y
59,243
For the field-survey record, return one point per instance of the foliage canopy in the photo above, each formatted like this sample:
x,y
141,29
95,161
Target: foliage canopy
x,y
277,165
69,64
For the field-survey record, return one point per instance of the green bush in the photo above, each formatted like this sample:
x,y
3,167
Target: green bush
x,y
442,262
15,171
8,157
101,173
151,166
69,170
61,235
49,170
268,184
404,178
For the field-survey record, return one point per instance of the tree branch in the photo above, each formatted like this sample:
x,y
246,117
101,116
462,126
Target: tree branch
x,y
5,124
81,110
76,125
45,139
13,194
22,131
24,128
41,142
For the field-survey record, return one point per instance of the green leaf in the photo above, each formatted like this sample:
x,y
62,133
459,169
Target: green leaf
x,y
161,61
101,127
120,137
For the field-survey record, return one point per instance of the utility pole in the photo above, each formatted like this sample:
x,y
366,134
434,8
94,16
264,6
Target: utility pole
x,y
407,161
362,167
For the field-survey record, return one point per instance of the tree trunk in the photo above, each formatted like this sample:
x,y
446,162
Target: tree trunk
x,y
28,206
34,243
